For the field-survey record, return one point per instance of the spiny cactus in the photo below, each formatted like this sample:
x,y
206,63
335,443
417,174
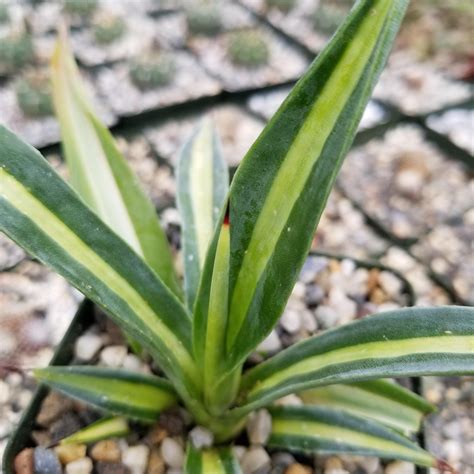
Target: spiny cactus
x,y
152,70
203,19
283,5
108,28
329,15
16,50
4,14
80,7
248,48
33,93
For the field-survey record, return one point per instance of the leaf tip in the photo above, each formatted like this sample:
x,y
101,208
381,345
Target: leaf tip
x,y
444,466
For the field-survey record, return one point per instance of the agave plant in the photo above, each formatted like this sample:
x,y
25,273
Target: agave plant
x,y
243,248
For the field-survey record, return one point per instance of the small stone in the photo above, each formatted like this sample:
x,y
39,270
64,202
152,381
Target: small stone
x,y
65,426
290,321
80,466
333,464
111,468
308,321
298,291
133,363
369,464
326,316
314,295
280,461
290,399
298,469
23,463
270,344
4,392
41,437
156,435
400,467
239,451
87,346
107,450
46,461
70,452
259,427
453,450
201,437
136,458
113,356
172,453
172,421
53,406
255,460
391,284
156,464
378,296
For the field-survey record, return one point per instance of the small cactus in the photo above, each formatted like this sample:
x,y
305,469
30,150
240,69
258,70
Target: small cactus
x,y
108,29
151,71
16,50
328,16
83,8
203,19
4,15
248,48
283,5
33,94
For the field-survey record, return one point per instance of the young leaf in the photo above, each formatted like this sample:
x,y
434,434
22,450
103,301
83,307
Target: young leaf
x,y
211,461
281,187
327,431
105,428
99,172
405,342
202,187
129,394
379,400
45,216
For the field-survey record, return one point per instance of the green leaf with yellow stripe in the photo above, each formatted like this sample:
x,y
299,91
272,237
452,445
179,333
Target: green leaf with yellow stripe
x,y
45,216
120,392
211,461
380,400
280,189
100,173
326,431
405,342
202,187
105,428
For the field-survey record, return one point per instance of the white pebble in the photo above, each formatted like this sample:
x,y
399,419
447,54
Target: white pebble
x,y
254,459
136,458
201,437
4,392
290,399
87,346
80,466
113,356
326,316
400,467
308,321
172,453
239,451
271,343
290,321
259,427
391,284
133,363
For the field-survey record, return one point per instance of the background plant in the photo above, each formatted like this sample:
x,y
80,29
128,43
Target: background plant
x,y
243,250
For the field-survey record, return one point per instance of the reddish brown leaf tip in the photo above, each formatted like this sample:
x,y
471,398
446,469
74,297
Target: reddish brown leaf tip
x,y
226,220
443,466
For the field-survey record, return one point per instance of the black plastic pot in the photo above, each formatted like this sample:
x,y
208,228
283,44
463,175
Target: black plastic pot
x,y
84,318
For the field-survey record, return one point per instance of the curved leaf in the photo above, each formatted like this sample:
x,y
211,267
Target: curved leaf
x,y
380,400
104,428
202,187
406,342
42,214
99,172
120,392
326,431
280,189
211,461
